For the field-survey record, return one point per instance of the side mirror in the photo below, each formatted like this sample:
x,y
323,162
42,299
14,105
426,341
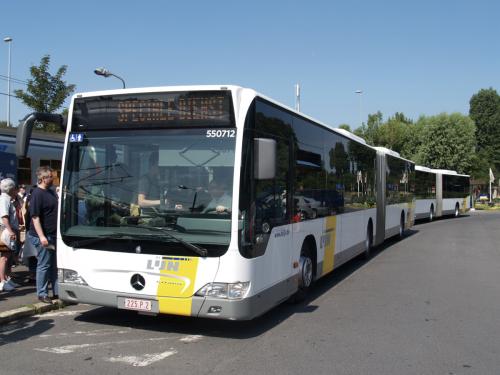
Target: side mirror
x,y
23,134
265,158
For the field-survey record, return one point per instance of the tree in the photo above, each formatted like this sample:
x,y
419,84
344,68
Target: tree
x,y
345,127
370,131
3,124
446,142
395,133
485,111
46,92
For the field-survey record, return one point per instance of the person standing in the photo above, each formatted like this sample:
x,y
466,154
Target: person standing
x,y
9,232
42,233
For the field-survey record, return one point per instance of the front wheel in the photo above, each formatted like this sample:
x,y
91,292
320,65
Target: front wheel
x,y
457,210
431,213
306,274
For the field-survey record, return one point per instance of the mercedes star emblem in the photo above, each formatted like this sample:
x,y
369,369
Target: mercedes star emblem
x,y
137,282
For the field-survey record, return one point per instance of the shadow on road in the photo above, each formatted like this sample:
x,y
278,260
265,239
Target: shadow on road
x,y
230,329
24,329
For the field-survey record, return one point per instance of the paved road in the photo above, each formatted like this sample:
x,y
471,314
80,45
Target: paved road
x,y
429,304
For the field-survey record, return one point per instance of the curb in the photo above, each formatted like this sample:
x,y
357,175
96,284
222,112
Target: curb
x,y
30,310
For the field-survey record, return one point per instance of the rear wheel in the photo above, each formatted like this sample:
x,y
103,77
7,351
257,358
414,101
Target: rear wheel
x,y
457,210
431,213
402,225
368,240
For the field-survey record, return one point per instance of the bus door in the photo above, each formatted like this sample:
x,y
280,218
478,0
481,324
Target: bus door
x,y
273,214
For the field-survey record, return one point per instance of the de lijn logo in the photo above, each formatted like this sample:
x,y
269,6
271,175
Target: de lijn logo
x,y
137,282
163,265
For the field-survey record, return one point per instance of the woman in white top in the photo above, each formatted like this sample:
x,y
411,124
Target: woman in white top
x,y
9,231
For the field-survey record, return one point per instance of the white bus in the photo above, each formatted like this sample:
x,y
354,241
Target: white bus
x,y
138,227
425,193
452,192
440,192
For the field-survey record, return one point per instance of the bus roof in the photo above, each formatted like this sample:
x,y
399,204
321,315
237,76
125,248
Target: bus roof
x,y
423,169
237,90
449,172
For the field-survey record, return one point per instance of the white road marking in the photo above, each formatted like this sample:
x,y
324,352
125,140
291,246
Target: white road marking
x,y
60,313
66,349
97,332
144,360
191,338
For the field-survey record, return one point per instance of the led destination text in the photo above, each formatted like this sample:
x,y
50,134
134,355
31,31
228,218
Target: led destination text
x,y
171,109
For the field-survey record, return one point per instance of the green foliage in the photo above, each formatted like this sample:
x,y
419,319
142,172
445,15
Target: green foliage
x,y
444,141
3,124
447,142
485,111
369,131
345,127
46,92
393,134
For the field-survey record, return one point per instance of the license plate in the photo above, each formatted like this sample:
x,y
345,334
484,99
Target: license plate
x,y
137,304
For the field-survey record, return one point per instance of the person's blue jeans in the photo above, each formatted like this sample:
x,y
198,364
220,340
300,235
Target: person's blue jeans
x,y
46,269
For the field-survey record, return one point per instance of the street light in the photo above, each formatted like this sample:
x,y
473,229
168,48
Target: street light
x,y
297,97
9,41
360,93
106,73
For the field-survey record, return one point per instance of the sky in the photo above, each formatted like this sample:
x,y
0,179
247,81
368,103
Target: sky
x,y
416,57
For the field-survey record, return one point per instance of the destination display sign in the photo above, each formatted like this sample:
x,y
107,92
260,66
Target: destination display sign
x,y
154,110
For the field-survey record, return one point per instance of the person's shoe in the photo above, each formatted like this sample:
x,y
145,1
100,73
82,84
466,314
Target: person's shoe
x,y
12,283
56,296
6,287
45,299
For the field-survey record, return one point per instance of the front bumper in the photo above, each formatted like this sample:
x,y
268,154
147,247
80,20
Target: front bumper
x,y
204,307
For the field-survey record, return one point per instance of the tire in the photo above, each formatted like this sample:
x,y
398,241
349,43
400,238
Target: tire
x,y
306,274
431,213
402,225
368,241
457,210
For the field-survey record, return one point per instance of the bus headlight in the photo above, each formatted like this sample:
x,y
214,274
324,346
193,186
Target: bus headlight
x,y
236,290
70,277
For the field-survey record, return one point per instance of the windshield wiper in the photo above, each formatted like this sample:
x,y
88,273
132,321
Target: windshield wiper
x,y
195,248
90,241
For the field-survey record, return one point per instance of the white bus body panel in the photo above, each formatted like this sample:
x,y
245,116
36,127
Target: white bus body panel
x,y
423,208
103,271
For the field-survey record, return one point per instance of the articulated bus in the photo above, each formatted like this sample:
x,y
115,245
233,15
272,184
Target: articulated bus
x,y
296,200
440,192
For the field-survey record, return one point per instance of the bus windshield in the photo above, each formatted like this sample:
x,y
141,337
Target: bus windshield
x,y
149,191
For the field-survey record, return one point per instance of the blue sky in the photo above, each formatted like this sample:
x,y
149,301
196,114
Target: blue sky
x,y
416,57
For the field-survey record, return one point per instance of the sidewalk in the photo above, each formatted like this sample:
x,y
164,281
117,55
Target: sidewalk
x,y
23,301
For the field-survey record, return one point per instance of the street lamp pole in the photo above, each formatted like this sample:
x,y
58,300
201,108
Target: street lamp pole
x,y
106,73
9,41
297,97
360,93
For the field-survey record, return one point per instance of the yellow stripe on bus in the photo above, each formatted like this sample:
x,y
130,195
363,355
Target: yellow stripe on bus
x,y
328,241
176,285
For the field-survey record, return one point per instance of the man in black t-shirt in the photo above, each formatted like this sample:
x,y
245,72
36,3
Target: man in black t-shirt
x,y
42,233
